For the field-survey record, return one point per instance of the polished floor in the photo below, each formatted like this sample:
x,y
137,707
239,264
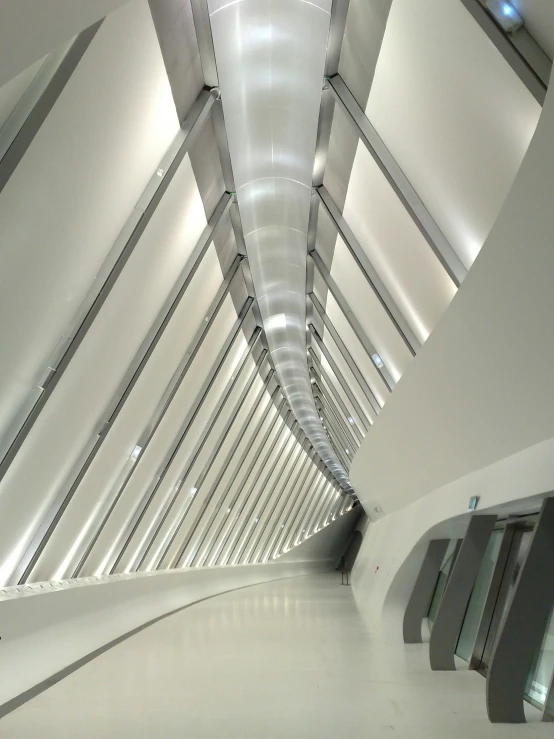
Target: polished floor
x,y
286,659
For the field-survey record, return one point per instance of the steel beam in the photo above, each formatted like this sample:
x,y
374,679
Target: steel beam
x,y
332,389
65,495
406,193
348,358
182,559
355,325
342,382
369,272
533,68
200,556
118,258
240,498
175,384
327,403
199,446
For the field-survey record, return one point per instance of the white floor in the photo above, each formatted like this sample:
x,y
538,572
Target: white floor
x,y
286,659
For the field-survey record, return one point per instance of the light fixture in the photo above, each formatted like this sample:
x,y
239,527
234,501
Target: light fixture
x,y
136,452
193,491
228,510
346,450
505,15
377,361
160,172
279,320
351,420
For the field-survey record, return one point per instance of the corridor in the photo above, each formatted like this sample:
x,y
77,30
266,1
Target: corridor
x,y
290,659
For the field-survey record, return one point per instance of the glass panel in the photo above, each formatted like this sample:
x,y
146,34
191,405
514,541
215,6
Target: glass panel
x,y
540,675
476,604
441,581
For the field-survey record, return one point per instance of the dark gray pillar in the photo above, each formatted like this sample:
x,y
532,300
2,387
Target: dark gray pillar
x,y
422,594
524,625
457,593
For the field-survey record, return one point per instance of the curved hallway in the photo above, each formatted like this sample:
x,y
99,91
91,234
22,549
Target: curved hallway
x,y
290,658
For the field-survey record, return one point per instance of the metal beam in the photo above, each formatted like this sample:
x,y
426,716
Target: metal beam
x,y
292,512
201,18
65,495
369,272
532,68
336,442
180,560
348,358
279,483
113,267
251,435
199,446
281,502
350,441
175,384
347,428
253,503
339,401
340,377
226,526
213,453
424,221
353,322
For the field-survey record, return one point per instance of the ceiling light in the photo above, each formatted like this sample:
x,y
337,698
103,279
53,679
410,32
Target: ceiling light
x,y
377,361
193,491
351,420
505,15
279,320
136,452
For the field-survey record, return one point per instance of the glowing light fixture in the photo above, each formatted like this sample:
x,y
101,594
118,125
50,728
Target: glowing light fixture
x,y
377,361
136,452
193,491
505,15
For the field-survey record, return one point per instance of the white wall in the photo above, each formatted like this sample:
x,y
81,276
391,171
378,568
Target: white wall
x,y
43,632
31,28
474,414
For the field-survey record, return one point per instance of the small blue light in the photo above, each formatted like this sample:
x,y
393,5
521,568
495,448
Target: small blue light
x,y
508,10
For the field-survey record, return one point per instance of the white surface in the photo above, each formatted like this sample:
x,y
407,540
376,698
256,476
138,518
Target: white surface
x,y
401,256
454,115
475,413
539,21
282,660
12,91
481,387
31,28
57,628
74,189
271,58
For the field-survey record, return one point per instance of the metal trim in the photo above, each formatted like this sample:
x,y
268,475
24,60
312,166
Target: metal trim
x,y
347,429
216,548
348,358
350,316
139,222
206,542
202,25
279,445
210,425
419,602
214,452
177,560
508,48
175,384
342,382
406,193
280,483
369,272
339,401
